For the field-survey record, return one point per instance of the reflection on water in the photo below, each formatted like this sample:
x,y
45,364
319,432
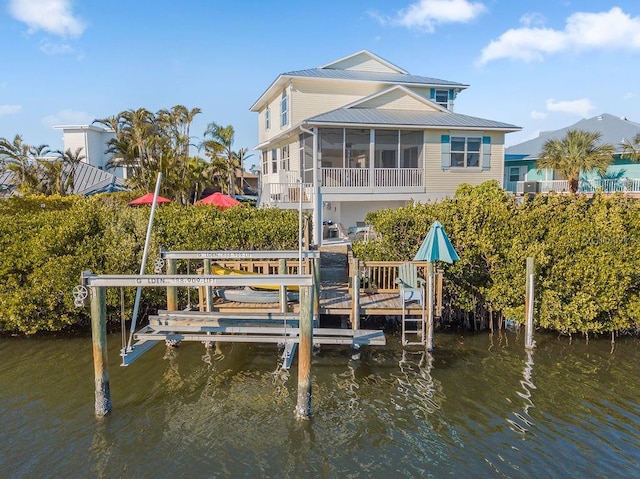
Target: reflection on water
x,y
479,406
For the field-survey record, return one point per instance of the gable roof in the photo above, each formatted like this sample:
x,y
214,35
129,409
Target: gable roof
x,y
361,58
392,95
612,128
347,70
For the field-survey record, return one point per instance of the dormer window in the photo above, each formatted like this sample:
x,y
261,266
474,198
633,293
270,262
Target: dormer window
x,y
441,97
267,118
284,109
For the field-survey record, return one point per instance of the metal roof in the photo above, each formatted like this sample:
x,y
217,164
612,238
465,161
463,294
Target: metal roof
x,y
384,77
613,129
89,180
410,118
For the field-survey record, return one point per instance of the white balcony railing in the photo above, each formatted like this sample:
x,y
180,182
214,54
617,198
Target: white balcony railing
x,y
286,193
345,177
382,177
623,185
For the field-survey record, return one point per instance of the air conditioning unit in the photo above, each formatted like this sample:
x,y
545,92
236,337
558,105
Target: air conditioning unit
x,y
531,187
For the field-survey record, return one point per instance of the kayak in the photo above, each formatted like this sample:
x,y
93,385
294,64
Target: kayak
x,y
221,271
249,295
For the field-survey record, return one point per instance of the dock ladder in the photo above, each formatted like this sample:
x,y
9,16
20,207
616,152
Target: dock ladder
x,y
412,293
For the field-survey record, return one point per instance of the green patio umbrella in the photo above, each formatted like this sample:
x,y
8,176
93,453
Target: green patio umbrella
x,y
435,247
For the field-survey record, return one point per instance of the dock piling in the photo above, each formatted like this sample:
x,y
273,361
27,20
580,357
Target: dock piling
x,y
355,306
430,301
99,342
305,351
172,291
528,304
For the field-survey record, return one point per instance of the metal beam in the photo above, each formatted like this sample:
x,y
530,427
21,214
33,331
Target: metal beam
x,y
218,255
151,280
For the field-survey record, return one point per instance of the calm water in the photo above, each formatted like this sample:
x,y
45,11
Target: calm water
x,y
479,408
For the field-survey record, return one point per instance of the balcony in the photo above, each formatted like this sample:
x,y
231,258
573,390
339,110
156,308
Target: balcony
x,y
287,195
367,180
619,185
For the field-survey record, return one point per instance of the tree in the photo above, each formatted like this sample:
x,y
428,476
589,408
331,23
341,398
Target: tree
x,y
578,151
218,145
22,159
631,150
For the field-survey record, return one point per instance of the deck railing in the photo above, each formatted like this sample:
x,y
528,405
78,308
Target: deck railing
x,y
380,276
382,177
622,185
286,193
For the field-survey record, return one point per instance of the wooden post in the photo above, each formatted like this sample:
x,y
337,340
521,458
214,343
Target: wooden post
x,y
209,299
99,341
315,271
303,407
355,305
429,338
282,269
528,305
172,291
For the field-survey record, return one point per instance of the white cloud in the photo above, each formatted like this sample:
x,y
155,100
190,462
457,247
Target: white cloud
x,y
532,19
68,117
538,115
630,95
9,109
583,31
426,14
53,48
581,107
51,16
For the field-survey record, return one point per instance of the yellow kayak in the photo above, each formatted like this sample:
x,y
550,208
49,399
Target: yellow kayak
x,y
221,271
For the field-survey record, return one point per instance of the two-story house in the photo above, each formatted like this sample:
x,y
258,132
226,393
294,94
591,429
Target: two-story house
x,y
361,134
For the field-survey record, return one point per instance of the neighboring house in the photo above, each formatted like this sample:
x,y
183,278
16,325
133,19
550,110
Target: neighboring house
x,y
93,139
361,134
88,180
622,175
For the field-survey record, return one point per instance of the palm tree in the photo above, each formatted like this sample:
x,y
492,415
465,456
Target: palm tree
x,y
578,151
218,145
70,161
22,159
631,150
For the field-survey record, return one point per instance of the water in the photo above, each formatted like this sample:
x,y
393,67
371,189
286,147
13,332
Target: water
x,y
480,407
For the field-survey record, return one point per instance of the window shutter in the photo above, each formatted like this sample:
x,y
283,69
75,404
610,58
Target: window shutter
x,y
452,95
445,145
486,152
432,94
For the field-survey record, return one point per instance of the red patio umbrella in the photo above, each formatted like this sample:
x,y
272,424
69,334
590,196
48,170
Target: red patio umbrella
x,y
148,199
219,200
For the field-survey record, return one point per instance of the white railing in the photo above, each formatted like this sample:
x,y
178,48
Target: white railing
x,y
286,193
382,177
345,177
398,177
623,185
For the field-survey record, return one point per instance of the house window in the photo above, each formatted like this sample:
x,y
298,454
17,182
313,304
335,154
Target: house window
x,y
274,160
514,174
441,97
284,158
284,109
267,118
265,163
465,151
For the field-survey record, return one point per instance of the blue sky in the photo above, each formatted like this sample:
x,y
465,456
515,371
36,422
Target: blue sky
x,y
541,65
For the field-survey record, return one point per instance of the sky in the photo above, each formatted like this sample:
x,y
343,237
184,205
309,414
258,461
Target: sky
x,y
540,65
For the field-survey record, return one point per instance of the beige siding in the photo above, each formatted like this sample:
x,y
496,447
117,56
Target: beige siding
x,y
447,181
362,62
396,100
276,115
311,98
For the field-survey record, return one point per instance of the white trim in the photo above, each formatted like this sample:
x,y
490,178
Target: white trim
x,y
403,89
371,56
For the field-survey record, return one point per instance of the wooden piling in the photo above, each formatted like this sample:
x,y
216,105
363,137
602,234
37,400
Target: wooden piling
x,y
355,304
282,269
99,342
172,291
430,289
305,347
208,295
528,305
315,271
